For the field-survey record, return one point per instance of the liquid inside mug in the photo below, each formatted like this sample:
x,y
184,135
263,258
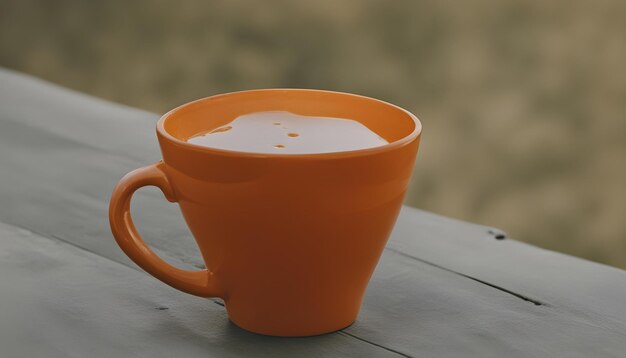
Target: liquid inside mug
x,y
290,241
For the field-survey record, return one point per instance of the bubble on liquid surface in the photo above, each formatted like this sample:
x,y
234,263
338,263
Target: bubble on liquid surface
x,y
293,134
221,129
279,146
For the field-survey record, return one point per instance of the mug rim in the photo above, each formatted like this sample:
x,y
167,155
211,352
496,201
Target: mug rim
x,y
160,128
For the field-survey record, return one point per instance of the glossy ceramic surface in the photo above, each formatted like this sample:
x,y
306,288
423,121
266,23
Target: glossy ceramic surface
x,y
290,240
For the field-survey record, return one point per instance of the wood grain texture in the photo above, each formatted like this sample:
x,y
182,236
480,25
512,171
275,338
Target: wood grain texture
x,y
443,287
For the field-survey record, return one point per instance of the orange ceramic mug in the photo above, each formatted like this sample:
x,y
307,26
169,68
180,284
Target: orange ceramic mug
x,y
290,240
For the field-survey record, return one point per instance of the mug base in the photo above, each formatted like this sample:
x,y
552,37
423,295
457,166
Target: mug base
x,y
277,332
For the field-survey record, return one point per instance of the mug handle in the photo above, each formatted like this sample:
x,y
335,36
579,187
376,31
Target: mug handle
x,y
200,283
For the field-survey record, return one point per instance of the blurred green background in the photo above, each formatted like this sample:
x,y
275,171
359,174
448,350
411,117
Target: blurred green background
x,y
523,102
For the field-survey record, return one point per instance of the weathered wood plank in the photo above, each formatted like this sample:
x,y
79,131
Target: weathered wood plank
x,y
60,301
443,287
578,287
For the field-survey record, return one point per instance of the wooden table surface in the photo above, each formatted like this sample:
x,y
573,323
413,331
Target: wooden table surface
x,y
442,288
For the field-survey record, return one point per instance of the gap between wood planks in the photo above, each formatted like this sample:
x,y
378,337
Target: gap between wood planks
x,y
65,241
342,332
515,294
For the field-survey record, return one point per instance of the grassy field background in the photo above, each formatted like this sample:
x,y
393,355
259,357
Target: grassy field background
x,y
523,102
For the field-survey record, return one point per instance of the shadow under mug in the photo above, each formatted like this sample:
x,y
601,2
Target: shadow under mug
x,y
290,240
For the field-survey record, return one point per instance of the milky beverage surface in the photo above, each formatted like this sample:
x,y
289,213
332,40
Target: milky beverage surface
x,y
288,133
